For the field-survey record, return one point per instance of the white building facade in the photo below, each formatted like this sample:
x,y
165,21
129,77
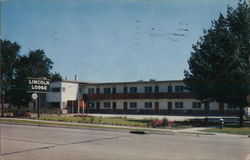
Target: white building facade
x,y
61,93
141,97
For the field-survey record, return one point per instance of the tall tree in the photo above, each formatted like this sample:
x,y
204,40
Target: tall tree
x,y
36,64
15,69
9,53
55,76
219,67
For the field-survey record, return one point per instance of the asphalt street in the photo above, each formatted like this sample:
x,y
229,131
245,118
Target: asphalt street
x,y
21,142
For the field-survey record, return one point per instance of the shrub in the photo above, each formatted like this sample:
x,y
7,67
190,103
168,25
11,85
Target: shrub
x,y
19,111
165,122
27,114
51,111
156,123
171,123
81,115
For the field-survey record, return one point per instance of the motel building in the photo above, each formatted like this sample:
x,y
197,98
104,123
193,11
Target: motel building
x,y
139,97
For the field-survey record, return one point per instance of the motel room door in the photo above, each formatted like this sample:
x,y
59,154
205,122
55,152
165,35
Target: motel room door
x,y
98,107
114,107
169,107
221,108
125,107
156,107
206,107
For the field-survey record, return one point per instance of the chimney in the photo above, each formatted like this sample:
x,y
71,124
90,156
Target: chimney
x,y
75,77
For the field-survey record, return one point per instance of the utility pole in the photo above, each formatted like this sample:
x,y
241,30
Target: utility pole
x,y
38,106
1,62
2,93
248,96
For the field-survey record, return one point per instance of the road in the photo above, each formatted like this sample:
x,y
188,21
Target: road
x,y
21,142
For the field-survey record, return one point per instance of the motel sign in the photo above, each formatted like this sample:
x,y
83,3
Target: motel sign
x,y
38,85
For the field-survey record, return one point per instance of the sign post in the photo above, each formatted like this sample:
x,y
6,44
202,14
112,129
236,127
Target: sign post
x,y
34,97
37,86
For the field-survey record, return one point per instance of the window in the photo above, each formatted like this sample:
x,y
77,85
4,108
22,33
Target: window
x,y
55,89
196,105
125,89
156,89
63,89
186,89
91,105
97,90
148,89
107,91
133,105
133,89
91,91
80,90
113,90
178,104
170,89
179,88
148,105
176,88
106,104
97,105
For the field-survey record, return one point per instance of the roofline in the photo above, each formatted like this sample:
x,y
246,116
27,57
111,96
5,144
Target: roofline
x,y
71,81
134,82
110,83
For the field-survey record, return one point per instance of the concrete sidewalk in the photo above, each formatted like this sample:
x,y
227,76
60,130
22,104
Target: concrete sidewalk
x,y
196,130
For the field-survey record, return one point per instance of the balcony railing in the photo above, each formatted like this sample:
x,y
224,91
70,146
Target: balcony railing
x,y
183,95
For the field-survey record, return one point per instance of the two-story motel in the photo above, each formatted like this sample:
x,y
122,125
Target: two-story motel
x,y
140,97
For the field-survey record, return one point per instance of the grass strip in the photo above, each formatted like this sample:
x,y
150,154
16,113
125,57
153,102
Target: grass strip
x,y
30,122
59,124
99,120
230,130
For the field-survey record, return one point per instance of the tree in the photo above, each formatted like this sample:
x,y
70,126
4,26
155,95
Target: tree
x,y
55,77
36,64
9,52
219,67
16,68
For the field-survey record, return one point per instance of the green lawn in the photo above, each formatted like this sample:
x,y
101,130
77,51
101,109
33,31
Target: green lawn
x,y
123,122
237,129
119,121
18,121
100,120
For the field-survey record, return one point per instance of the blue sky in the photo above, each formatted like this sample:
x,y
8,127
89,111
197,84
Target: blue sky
x,y
111,40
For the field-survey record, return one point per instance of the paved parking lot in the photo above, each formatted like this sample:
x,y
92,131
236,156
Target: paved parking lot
x,y
20,142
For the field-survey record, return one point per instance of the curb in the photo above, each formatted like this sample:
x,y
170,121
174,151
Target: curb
x,y
198,133
132,131
69,127
128,130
